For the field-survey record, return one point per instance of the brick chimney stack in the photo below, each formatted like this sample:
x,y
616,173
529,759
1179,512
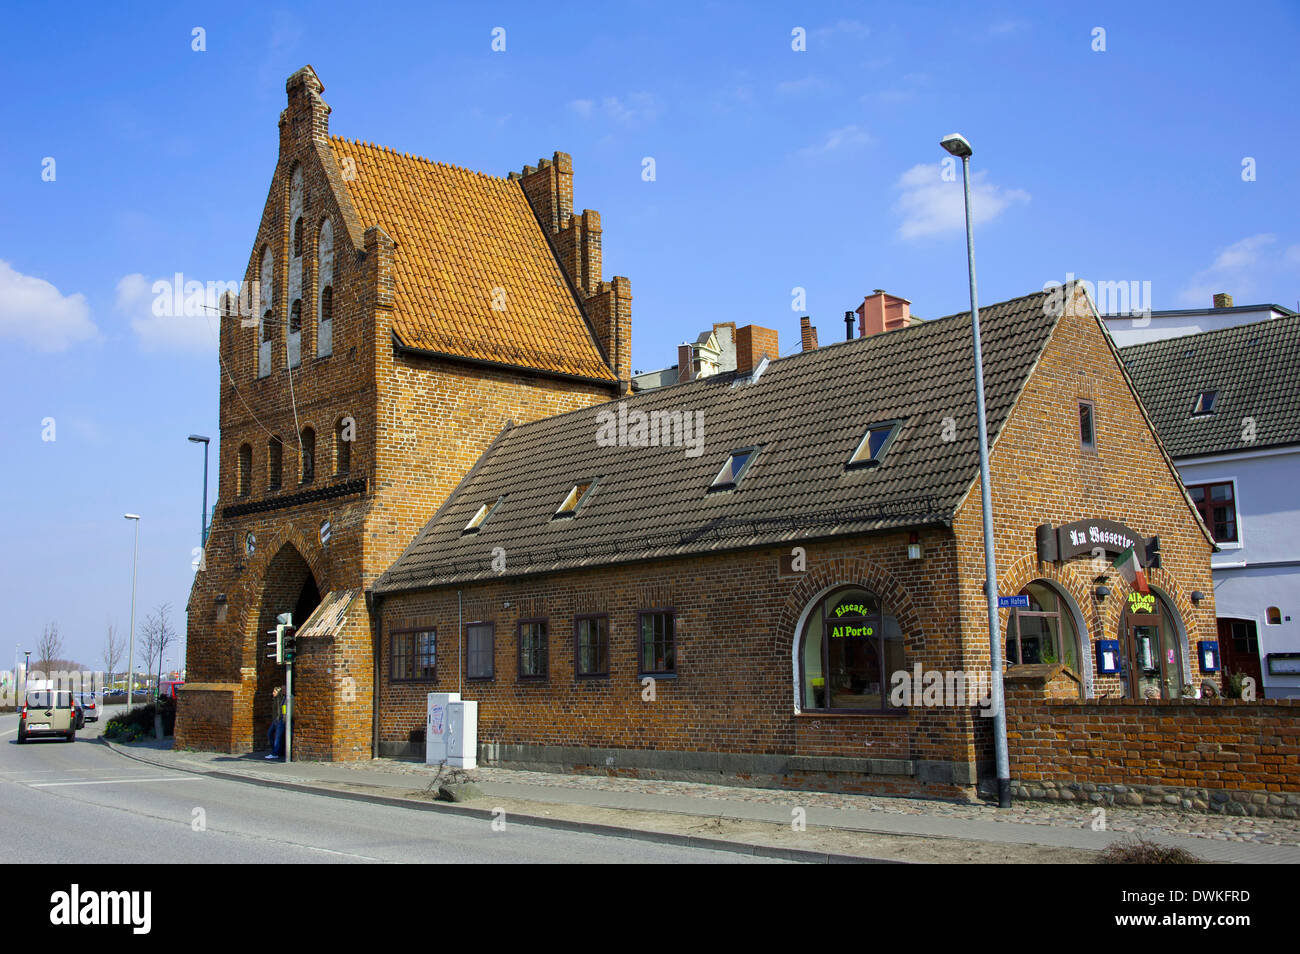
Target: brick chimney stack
x,y
1222,300
881,311
752,343
807,334
307,118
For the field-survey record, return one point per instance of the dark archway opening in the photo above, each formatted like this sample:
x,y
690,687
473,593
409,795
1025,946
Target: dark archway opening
x,y
289,587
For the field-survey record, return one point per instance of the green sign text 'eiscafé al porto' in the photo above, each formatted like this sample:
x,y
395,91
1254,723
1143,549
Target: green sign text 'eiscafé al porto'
x,y
855,609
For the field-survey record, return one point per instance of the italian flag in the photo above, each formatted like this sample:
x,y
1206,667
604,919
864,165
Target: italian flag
x,y
1131,570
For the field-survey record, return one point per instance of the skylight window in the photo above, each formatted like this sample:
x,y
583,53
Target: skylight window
x,y
734,469
1205,403
875,444
575,499
482,514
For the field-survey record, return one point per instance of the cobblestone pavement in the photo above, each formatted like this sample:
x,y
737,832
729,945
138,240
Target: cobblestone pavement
x,y
1137,820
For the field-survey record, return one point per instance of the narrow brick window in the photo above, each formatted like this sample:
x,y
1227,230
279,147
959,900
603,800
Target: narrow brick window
x,y
274,462
1087,426
264,346
591,645
342,446
480,644
325,327
244,480
308,455
295,333
533,655
414,655
658,656
297,237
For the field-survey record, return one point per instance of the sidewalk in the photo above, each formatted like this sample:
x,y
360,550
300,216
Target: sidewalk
x,y
881,828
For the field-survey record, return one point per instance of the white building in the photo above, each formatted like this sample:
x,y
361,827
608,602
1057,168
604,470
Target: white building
x,y
1226,403
1131,329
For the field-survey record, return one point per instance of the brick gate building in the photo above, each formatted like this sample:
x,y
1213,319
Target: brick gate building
x,y
396,314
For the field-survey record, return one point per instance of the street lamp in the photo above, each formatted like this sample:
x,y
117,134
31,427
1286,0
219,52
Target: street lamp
x,y
203,517
27,670
960,147
130,657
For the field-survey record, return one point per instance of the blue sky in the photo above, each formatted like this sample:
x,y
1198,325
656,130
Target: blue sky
x,y
775,169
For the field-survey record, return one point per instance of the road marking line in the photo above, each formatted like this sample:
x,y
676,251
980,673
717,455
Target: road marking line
x,y
116,781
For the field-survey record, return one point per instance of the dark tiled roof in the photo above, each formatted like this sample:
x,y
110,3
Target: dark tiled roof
x,y
1254,368
808,413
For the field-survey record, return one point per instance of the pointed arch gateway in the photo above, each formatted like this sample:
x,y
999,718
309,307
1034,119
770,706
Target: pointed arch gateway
x,y
289,585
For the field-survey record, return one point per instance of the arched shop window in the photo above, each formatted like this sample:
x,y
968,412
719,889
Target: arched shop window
x,y
1152,648
849,649
1042,632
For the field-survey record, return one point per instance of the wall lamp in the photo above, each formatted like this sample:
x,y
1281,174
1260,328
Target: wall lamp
x,y
1197,596
1102,592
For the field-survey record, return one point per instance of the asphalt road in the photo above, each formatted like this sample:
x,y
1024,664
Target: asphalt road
x,y
82,802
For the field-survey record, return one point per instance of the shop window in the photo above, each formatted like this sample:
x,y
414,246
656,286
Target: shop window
x,y
574,499
532,649
308,438
342,446
414,655
480,651
1273,616
1205,402
591,645
1043,632
482,514
850,648
1217,504
244,480
274,462
1153,663
734,469
1087,426
658,655
874,445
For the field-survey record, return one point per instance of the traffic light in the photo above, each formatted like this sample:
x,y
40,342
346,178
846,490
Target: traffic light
x,y
276,645
289,641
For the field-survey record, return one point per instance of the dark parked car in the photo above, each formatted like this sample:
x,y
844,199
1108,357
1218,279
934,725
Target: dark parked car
x,y
90,710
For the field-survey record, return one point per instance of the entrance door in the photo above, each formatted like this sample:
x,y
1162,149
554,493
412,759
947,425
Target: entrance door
x,y
1152,666
1239,644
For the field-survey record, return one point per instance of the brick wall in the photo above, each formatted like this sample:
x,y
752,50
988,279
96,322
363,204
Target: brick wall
x,y
1213,754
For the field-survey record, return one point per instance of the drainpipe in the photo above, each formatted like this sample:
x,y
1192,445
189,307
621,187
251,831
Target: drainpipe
x,y
460,641
372,610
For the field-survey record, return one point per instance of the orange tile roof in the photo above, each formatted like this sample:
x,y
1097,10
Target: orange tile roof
x,y
460,235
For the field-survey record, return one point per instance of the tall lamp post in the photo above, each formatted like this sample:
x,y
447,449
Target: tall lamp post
x,y
958,146
130,657
27,669
203,517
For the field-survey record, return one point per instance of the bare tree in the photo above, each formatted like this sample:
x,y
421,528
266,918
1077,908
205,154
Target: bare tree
x,y
49,648
114,649
158,635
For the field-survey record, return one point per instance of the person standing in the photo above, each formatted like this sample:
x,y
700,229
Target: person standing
x,y
276,734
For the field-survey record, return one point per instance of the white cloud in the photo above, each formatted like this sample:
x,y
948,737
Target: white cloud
x,y
34,311
852,135
1242,269
192,328
931,206
632,108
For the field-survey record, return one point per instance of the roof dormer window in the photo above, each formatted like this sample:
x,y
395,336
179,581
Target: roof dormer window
x,y
482,514
1205,403
734,469
575,499
875,444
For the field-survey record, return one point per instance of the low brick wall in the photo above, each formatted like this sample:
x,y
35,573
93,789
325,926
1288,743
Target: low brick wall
x,y
205,716
1222,755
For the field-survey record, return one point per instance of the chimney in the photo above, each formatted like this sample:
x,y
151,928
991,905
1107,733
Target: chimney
x,y
1222,300
752,343
307,117
807,334
685,362
848,326
881,311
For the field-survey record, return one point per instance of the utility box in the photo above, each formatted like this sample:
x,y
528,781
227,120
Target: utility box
x,y
435,726
462,734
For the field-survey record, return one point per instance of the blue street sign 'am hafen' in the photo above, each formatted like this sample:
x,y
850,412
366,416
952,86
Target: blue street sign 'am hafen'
x,y
1004,602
